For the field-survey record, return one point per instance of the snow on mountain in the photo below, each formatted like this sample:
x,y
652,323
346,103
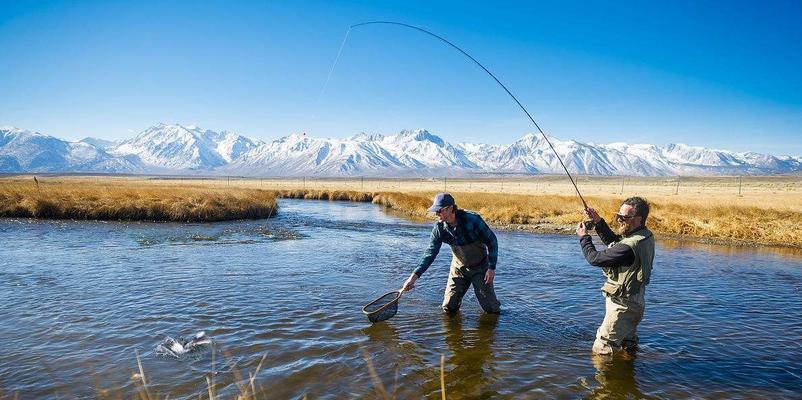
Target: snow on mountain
x,y
420,147
300,154
180,149
411,152
230,145
532,154
26,151
102,144
185,148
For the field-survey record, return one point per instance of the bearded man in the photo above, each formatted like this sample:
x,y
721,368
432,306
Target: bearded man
x,y
627,265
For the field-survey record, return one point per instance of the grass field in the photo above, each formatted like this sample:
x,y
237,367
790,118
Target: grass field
x,y
136,200
740,210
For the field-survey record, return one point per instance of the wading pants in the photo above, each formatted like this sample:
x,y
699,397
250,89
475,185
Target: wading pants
x,y
619,330
468,267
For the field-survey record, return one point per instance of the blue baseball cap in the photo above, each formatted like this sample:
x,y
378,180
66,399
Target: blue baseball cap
x,y
441,200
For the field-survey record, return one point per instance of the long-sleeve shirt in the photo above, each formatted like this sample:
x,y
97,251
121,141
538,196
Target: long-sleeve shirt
x,y
470,228
615,255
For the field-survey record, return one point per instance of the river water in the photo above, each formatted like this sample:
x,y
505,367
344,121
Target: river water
x,y
79,299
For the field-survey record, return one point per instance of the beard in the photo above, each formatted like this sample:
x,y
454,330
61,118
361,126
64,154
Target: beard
x,y
621,230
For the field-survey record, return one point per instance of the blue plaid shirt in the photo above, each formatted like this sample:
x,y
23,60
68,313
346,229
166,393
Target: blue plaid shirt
x,y
470,228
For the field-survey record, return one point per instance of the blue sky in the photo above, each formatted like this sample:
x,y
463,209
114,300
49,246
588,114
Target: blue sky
x,y
716,74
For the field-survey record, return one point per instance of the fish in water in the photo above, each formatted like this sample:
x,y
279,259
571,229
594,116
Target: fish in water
x,y
178,348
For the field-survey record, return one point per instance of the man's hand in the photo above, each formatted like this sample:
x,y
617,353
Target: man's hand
x,y
581,230
592,214
489,276
410,282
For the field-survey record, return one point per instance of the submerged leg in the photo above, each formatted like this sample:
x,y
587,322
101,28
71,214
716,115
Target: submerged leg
x,y
456,287
484,292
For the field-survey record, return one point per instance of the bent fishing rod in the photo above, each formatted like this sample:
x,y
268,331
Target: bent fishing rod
x,y
444,40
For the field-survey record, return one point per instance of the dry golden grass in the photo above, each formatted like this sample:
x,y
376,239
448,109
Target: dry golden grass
x,y
334,195
111,200
775,192
714,221
768,210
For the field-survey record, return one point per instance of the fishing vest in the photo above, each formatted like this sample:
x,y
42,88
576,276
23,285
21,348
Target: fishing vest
x,y
627,280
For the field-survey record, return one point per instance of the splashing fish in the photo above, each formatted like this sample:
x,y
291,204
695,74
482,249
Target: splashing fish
x,y
178,348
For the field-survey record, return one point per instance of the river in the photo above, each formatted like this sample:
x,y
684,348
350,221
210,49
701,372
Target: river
x,y
78,300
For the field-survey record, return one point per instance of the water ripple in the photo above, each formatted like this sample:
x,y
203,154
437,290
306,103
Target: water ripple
x,y
81,297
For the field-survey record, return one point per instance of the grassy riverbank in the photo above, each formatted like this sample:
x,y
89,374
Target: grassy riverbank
x,y
713,222
716,221
743,211
130,201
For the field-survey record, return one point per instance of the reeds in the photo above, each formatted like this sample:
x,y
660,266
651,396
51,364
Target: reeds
x,y
715,220
248,389
767,216
130,201
334,195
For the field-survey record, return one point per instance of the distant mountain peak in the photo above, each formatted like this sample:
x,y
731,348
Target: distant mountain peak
x,y
189,149
421,135
175,146
9,128
366,137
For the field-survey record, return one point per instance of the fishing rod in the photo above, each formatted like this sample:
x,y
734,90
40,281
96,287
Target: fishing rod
x,y
444,40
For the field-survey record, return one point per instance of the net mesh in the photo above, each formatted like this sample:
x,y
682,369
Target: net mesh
x,y
383,308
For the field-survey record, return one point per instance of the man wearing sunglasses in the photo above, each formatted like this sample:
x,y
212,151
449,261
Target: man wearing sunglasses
x,y
475,251
627,265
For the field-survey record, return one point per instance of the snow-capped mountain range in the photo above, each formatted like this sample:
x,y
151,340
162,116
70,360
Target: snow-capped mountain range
x,y
178,149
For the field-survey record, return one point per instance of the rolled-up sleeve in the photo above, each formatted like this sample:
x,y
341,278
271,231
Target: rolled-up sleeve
x,y
435,242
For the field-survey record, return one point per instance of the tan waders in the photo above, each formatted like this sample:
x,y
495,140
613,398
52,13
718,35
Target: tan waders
x,y
468,267
619,330
624,293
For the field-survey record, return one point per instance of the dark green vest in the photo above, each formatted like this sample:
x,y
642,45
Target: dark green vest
x,y
627,280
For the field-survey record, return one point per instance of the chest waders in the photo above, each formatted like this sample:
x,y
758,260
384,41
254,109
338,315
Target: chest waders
x,y
468,267
469,256
624,296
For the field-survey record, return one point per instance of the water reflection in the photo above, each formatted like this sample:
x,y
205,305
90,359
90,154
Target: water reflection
x,y
471,355
78,298
730,250
616,377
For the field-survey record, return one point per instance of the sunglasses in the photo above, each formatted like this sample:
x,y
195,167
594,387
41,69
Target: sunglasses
x,y
438,212
621,217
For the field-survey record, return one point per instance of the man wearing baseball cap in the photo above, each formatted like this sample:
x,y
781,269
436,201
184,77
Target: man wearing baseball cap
x,y
475,250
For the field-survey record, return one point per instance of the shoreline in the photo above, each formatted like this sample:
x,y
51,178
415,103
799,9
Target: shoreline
x,y
549,228
568,230
765,221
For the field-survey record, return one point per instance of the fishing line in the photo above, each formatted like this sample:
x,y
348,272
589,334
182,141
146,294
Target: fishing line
x,y
347,33
333,65
483,68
